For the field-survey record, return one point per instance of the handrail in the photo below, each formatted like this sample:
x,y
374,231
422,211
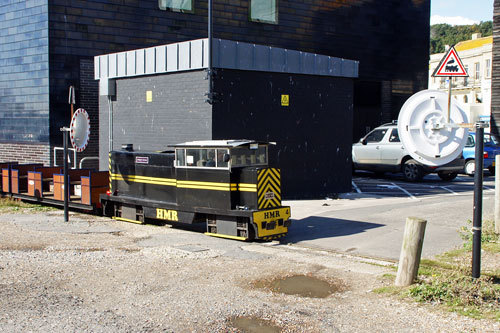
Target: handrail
x,y
87,159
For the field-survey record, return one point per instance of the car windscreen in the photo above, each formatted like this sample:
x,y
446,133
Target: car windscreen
x,y
490,140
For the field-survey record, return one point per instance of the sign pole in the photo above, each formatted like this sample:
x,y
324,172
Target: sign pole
x,y
449,99
65,131
478,202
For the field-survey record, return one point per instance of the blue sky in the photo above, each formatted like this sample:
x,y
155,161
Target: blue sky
x,y
458,12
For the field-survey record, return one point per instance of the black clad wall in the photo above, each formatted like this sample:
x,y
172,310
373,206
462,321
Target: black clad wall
x,y
313,134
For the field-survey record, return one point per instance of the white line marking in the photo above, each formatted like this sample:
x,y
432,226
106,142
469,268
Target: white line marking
x,y
489,189
355,187
447,189
405,191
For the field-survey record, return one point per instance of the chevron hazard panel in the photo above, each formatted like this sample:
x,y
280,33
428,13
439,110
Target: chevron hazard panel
x,y
269,188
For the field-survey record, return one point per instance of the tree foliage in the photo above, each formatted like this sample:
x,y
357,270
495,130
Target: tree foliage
x,y
445,34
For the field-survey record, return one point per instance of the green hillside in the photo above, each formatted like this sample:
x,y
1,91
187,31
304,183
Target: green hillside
x,y
445,34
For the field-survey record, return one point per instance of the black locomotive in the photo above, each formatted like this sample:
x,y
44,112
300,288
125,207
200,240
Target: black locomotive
x,y
226,184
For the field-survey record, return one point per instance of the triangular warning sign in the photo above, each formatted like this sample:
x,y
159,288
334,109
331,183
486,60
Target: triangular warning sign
x,y
451,65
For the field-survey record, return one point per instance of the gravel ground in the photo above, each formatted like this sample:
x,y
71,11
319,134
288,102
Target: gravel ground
x,y
98,275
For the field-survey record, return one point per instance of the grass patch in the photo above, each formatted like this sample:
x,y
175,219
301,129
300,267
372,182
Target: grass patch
x,y
446,281
9,205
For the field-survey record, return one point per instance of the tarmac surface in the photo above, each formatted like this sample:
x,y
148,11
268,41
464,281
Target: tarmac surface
x,y
370,220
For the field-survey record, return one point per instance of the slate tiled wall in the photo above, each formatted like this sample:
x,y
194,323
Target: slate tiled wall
x,y
24,72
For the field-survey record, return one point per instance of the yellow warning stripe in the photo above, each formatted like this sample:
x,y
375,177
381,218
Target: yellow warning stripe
x,y
247,187
268,181
144,179
184,183
207,185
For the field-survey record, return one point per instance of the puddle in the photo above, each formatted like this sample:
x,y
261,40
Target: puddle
x,y
254,325
300,285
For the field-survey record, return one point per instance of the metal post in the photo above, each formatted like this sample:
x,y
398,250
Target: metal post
x,y
110,127
478,202
65,164
497,194
449,100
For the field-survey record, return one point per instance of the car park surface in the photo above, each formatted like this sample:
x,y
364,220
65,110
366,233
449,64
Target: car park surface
x,y
382,151
370,220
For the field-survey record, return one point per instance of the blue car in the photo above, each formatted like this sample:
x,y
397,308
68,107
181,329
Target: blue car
x,y
491,149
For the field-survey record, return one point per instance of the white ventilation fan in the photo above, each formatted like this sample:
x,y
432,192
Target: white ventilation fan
x,y
425,132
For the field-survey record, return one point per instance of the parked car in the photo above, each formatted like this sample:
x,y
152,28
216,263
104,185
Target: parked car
x,y
381,151
491,149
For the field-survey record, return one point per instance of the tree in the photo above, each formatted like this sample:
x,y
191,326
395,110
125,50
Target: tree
x,y
445,34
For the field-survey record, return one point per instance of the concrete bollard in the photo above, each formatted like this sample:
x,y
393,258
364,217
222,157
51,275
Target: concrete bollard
x,y
411,251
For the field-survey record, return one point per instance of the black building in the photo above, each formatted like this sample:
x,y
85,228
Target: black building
x,y
48,45
156,97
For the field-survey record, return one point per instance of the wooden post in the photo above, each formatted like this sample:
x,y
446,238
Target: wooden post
x,y
497,194
411,251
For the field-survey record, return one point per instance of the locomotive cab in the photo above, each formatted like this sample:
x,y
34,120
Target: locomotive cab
x,y
227,184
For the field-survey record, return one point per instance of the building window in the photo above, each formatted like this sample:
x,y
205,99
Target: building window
x,y
487,70
264,11
176,5
477,74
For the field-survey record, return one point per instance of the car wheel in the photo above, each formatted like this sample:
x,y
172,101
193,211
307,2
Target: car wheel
x,y
447,176
412,171
491,169
469,168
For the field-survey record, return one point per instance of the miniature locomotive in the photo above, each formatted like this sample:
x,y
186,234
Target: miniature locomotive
x,y
226,184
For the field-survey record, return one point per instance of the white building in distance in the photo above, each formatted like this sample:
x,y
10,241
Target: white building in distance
x,y
474,92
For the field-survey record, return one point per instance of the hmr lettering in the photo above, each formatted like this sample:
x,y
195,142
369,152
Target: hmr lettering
x,y
166,214
271,215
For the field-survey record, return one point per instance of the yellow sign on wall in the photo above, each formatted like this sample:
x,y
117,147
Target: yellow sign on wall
x,y
285,100
149,96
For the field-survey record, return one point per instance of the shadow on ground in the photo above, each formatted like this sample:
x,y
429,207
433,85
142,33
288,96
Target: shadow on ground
x,y
316,227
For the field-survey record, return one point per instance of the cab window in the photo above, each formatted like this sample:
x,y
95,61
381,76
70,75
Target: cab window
x,y
375,136
220,158
201,158
180,157
248,156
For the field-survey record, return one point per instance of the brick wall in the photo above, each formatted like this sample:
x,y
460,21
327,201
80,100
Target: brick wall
x,y
88,92
25,153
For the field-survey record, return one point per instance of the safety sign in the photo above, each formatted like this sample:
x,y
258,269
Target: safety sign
x,y
450,65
